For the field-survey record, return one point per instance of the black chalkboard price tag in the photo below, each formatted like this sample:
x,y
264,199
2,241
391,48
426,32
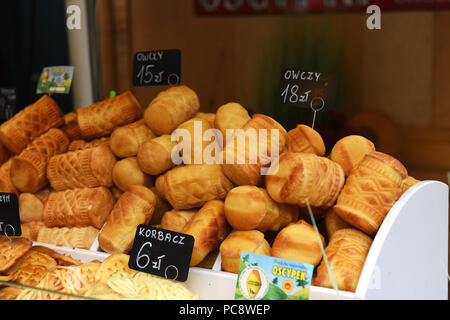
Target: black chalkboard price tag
x,y
7,103
308,89
161,252
157,68
9,215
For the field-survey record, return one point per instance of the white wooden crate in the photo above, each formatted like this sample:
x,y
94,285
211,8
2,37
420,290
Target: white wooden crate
x,y
408,258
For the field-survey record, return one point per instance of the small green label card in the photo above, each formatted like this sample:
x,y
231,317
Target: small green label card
x,y
268,278
56,79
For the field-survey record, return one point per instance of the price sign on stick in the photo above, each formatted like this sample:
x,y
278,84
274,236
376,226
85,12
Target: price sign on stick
x,y
9,215
161,252
157,68
308,89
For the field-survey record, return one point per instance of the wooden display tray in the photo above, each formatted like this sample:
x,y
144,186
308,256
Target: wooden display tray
x,y
407,260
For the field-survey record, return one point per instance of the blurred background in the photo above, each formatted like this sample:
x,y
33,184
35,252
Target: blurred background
x,y
394,83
